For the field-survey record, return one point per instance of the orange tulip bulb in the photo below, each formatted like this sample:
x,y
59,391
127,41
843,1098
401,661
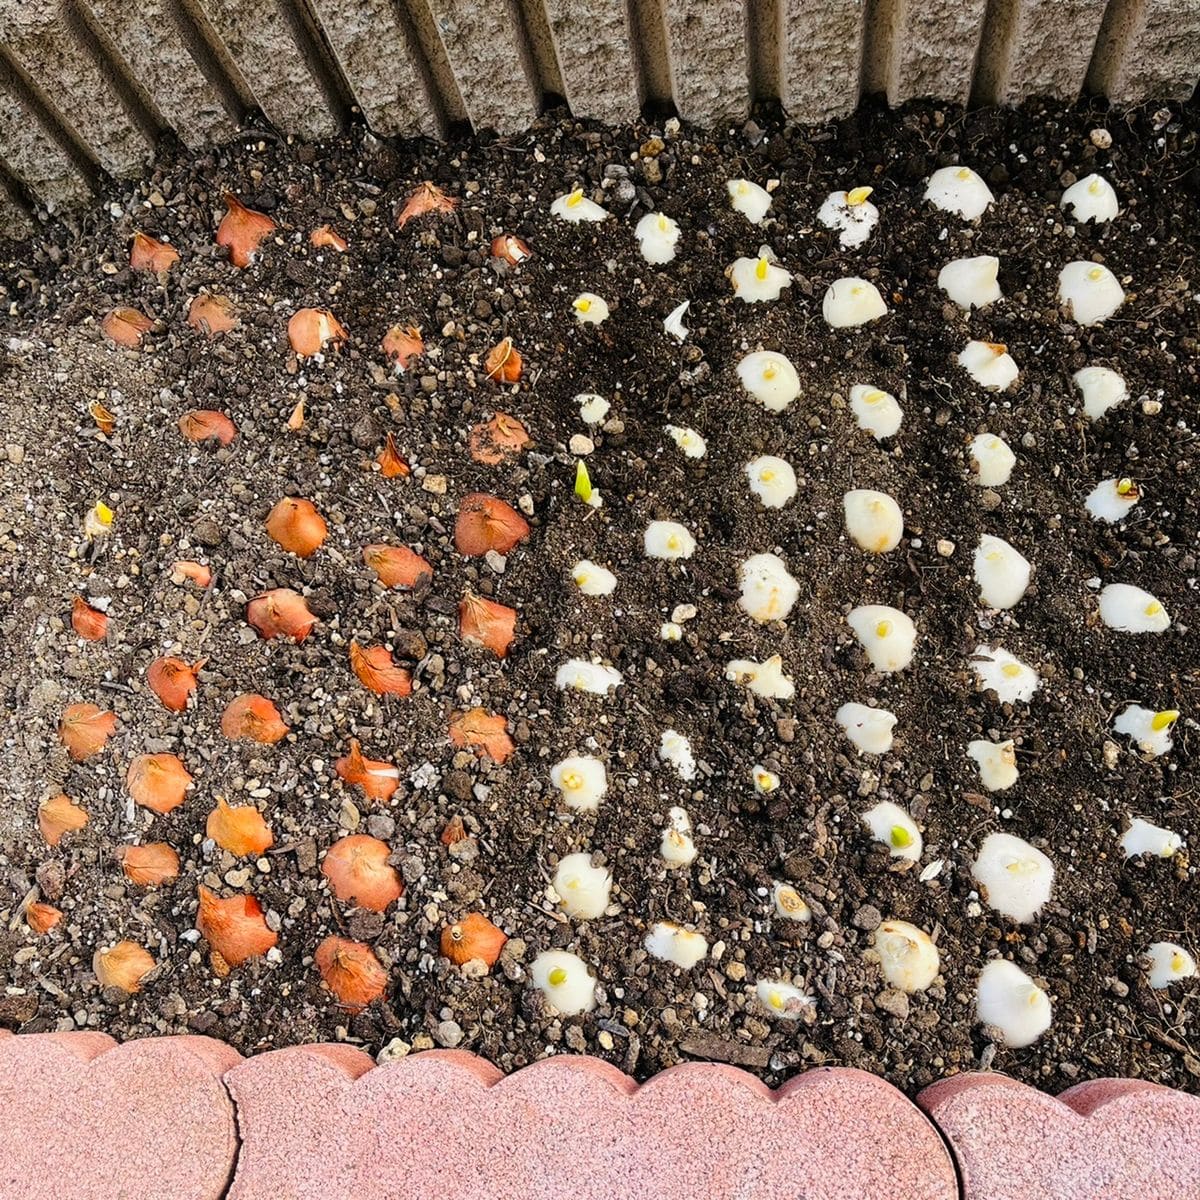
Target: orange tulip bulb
x,y
378,780
427,197
150,865
126,327
253,718
351,972
122,966
212,315
173,680
242,231
90,623
487,523
235,928
281,612
485,623
377,671
500,438
85,730
58,816
152,256
484,732
158,782
312,329
242,830
205,424
396,566
474,937
296,525
358,871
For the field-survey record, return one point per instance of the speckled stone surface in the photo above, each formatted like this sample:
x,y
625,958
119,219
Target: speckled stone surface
x,y
1110,1139
82,1118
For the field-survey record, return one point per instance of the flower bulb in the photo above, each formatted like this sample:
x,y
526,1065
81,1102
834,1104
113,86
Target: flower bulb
x,y
758,279
748,199
765,782
674,944
575,207
1091,199
579,675
1143,838
992,460
850,302
669,540
670,631
873,520
886,634
688,440
675,749
768,590
592,579
907,956
565,981
592,408
997,762
590,309
1112,499
657,236
875,410
677,848
582,780
772,480
1101,388
1150,730
892,826
971,282
960,191
1168,964
1090,291
765,679
1130,609
770,378
1010,1002
989,364
869,729
583,890
782,1000
1014,877
673,322
1001,571
789,905
1004,674
852,213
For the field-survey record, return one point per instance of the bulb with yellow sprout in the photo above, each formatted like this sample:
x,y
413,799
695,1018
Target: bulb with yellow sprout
x,y
579,675
770,378
583,890
674,944
1150,730
584,488
851,302
788,904
886,634
1112,500
907,956
989,364
772,480
593,408
876,411
768,590
590,309
1167,963
1131,609
959,190
873,520
688,440
677,848
669,540
97,523
1001,571
1012,1004
765,679
592,579
575,207
748,199
1089,291
582,780
892,826
971,282
1092,198
564,979
765,782
992,460
758,279
852,213
1005,674
1014,878
782,1000
1102,388
997,763
657,236
1142,837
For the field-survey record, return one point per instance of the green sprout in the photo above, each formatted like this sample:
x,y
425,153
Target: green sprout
x,y
899,837
583,482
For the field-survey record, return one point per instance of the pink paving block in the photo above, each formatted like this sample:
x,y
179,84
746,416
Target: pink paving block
x,y
85,1119
1111,1139
445,1125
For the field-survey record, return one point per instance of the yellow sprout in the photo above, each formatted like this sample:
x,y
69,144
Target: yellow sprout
x,y
883,629
875,397
1176,962
899,837
1124,487
776,1000
572,780
1164,719
1096,273
574,198
582,304
761,267
583,482
1012,670
557,977
1153,608
858,195
964,173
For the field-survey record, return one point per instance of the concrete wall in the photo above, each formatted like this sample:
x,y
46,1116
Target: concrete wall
x,y
87,87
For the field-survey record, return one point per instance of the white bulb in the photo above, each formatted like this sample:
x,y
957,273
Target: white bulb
x,y
1112,499
772,480
907,956
869,729
1168,964
565,981
851,302
765,782
892,826
579,675
592,408
789,905
1150,730
765,679
674,944
1001,571
782,1000
851,213
688,440
992,460
873,520
590,309
673,322
1014,877
971,282
1008,1000
1092,199
1144,838
748,199
583,890
758,279
657,236
1130,609
886,634
582,780
768,590
770,378
592,579
669,631
958,190
1090,291
669,540
989,364
875,410
1101,388
677,848
997,762
575,207
1004,674
675,749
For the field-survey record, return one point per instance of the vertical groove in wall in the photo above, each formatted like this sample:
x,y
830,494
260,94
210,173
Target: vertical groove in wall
x,y
881,20
764,31
541,65
112,65
648,33
993,58
18,196
1121,18
214,61
421,65
318,56
443,87
52,122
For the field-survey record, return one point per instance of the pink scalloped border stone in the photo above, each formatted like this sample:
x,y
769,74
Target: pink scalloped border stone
x,y
1110,1139
321,1121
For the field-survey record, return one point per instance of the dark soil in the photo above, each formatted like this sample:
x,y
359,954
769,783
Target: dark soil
x,y
174,500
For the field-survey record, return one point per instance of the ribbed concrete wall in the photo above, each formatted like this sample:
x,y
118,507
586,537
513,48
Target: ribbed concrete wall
x,y
88,86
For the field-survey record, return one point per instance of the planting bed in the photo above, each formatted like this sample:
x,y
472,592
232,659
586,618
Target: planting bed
x,y
175,500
